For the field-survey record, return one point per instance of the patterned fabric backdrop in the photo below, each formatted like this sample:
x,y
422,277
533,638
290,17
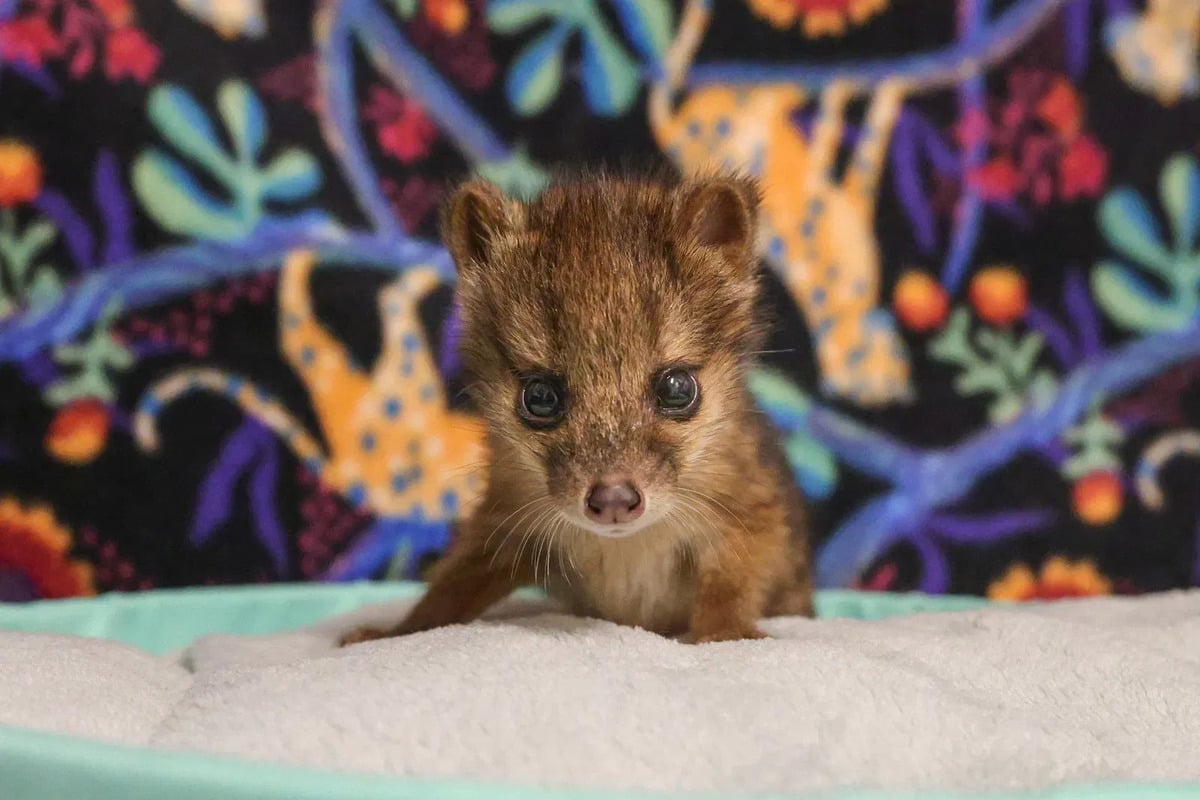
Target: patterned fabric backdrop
x,y
226,331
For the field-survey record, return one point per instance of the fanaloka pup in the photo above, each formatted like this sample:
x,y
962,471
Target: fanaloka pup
x,y
608,329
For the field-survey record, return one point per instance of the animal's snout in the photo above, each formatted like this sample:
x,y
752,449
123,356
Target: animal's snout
x,y
612,502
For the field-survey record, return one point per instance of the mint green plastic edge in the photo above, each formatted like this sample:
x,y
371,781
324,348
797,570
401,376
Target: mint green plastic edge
x,y
40,766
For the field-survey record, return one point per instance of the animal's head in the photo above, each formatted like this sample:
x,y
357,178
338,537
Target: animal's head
x,y
608,327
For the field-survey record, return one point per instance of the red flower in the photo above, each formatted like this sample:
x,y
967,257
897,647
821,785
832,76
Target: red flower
x,y
1083,169
1060,108
996,180
402,128
128,53
117,12
408,138
28,41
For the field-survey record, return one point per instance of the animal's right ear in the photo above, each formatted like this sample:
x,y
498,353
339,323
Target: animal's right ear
x,y
477,214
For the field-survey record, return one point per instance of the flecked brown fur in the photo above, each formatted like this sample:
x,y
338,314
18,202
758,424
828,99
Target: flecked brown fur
x,y
605,281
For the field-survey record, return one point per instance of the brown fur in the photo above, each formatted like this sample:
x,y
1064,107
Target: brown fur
x,y
605,281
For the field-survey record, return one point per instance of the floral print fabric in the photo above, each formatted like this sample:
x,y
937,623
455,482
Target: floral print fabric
x,y
227,341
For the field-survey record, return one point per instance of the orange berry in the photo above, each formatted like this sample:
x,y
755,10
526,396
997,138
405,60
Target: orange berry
x,y
20,173
999,295
449,15
1098,497
79,432
920,302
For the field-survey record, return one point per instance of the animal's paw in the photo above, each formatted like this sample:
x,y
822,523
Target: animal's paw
x,y
362,635
733,634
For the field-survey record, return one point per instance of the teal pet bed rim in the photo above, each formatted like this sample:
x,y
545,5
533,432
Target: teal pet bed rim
x,y
42,766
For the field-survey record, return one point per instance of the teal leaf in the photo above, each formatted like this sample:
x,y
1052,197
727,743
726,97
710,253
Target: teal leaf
x,y
813,465
535,76
648,26
177,204
513,16
1130,228
610,79
776,395
518,176
292,175
184,124
1133,303
243,116
1180,191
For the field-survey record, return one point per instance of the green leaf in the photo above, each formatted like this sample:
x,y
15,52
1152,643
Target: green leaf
x,y
982,379
1134,304
1024,356
1179,188
7,306
1043,389
406,8
172,199
36,237
45,288
513,16
292,175
535,76
243,116
1004,409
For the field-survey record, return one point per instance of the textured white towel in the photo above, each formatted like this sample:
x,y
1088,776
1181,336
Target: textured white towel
x,y
993,699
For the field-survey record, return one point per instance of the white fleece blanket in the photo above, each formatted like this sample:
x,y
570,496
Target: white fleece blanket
x,y
1093,691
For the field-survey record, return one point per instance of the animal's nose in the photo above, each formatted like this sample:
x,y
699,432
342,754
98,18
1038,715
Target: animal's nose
x,y
612,502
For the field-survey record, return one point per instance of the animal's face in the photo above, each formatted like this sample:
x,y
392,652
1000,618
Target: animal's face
x,y
607,327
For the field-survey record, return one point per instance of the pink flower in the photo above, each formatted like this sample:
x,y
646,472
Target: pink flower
x,y
128,53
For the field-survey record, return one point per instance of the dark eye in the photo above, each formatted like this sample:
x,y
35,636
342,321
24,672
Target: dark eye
x,y
543,400
677,392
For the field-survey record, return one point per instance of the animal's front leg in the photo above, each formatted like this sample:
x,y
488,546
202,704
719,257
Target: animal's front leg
x,y
464,585
731,593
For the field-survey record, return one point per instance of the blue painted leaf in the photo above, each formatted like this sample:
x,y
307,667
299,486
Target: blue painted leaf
x,y
648,25
183,123
610,80
513,16
243,116
1133,303
172,198
536,74
907,179
264,482
108,193
292,175
1180,191
1130,228
214,500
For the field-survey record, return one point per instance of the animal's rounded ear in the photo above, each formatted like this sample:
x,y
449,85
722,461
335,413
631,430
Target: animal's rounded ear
x,y
719,213
476,215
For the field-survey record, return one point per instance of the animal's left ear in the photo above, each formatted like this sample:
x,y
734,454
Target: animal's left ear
x,y
719,213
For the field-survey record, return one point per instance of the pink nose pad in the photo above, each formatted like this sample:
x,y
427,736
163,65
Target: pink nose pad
x,y
611,503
